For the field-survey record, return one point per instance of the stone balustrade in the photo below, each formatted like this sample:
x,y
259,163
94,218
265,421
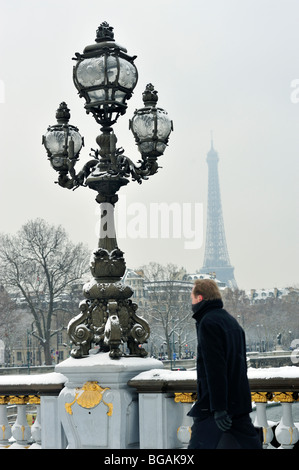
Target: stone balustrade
x,y
164,399
26,391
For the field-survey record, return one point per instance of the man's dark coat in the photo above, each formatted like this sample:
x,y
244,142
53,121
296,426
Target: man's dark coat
x,y
222,382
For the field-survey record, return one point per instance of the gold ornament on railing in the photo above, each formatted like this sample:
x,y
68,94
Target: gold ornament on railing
x,y
18,400
261,397
89,396
185,397
284,397
4,400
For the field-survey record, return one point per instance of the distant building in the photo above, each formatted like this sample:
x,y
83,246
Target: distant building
x,y
136,281
259,295
145,291
193,277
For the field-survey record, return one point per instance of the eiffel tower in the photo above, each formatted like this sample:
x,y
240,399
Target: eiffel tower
x,y
216,258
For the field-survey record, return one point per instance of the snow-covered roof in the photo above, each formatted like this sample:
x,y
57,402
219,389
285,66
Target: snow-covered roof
x,y
193,277
263,294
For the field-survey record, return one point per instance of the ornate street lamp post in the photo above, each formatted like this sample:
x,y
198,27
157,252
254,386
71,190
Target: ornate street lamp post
x,y
105,76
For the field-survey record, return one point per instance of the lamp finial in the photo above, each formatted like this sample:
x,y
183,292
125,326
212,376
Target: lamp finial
x,y
104,32
150,95
63,114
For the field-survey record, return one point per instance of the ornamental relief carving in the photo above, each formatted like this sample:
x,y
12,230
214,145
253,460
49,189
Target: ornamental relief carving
x,y
89,396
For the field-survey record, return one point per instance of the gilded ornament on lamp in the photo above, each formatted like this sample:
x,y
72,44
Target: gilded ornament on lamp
x,y
89,396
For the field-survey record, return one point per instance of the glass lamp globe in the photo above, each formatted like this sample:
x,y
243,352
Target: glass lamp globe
x,y
105,77
151,126
63,141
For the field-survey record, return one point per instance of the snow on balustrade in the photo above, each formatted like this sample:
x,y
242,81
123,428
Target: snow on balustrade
x,y
164,398
35,380
22,391
272,385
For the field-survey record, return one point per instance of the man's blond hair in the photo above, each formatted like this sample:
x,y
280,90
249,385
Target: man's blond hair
x,y
207,288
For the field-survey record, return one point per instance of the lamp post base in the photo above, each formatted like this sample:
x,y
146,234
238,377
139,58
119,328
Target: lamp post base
x,y
108,316
98,409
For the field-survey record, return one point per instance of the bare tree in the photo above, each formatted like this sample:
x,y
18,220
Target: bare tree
x,y
41,263
8,313
8,318
263,319
276,315
169,306
237,303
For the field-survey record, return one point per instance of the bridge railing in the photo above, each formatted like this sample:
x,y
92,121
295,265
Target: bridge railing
x,y
164,399
34,397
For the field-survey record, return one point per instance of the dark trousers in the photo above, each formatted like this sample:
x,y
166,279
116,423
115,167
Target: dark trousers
x,y
205,434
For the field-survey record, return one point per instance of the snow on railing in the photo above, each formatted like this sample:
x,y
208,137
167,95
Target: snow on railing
x,y
165,398
273,385
26,392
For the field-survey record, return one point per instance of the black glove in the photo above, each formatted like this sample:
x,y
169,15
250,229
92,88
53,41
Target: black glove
x,y
223,420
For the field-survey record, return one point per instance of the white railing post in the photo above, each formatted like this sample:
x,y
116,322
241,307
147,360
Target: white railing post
x,y
185,401
21,429
36,426
5,429
286,432
261,421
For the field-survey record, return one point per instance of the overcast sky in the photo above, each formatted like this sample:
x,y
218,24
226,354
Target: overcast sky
x,y
224,65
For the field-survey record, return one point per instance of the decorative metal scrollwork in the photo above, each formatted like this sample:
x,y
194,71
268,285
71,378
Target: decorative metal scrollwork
x,y
105,76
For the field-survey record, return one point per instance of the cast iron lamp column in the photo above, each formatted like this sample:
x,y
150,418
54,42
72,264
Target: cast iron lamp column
x,y
105,76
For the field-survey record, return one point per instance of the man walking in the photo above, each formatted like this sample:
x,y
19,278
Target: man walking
x,y
221,412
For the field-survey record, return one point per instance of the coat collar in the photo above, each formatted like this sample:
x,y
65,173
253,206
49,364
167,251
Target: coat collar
x,y
205,306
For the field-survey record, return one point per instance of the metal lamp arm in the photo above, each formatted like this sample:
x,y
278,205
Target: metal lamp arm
x,y
76,180
124,166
